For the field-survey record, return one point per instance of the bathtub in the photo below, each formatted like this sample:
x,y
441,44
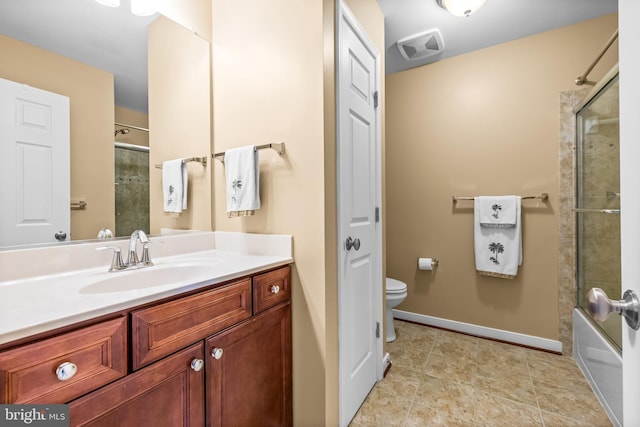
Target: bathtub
x,y
600,363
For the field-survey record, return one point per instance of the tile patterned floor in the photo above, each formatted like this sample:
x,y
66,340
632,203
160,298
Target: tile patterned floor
x,y
442,378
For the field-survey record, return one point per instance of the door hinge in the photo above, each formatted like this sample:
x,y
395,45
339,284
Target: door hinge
x,y
377,214
375,99
377,329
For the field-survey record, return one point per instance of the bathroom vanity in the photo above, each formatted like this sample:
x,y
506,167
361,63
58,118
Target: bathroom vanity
x,y
213,352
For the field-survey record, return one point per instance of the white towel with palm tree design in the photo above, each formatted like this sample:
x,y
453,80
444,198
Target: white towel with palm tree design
x,y
498,211
243,180
498,251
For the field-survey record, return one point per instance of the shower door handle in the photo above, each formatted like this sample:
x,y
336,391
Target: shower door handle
x,y
605,211
600,306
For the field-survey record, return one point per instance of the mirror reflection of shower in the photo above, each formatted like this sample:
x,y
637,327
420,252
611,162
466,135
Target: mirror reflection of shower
x,y
131,183
598,202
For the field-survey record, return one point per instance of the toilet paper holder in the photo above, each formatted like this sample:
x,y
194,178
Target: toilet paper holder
x,y
434,262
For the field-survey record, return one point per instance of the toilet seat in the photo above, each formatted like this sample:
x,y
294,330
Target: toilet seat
x,y
395,286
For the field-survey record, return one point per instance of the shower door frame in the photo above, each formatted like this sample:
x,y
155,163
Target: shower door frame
x,y
590,98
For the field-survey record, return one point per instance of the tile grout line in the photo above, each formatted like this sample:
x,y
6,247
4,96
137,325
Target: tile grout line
x,y
534,391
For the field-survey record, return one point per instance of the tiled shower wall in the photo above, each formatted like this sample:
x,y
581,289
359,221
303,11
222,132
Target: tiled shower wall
x,y
566,229
132,191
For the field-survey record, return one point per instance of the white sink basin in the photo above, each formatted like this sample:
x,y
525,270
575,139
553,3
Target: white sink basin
x,y
149,277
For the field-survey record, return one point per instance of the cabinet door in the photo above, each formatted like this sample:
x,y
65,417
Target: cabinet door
x,y
166,393
249,384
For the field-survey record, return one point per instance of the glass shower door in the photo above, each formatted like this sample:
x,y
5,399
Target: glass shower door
x,y
598,202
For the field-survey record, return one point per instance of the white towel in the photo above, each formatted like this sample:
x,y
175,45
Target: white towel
x,y
174,185
498,211
498,251
243,181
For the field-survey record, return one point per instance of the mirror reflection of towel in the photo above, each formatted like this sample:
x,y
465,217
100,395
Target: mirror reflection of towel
x,y
242,171
174,185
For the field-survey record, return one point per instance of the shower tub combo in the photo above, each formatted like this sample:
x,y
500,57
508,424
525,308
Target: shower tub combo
x,y
597,345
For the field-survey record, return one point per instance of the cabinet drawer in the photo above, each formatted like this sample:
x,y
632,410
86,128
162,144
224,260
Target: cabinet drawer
x,y
28,373
165,328
271,288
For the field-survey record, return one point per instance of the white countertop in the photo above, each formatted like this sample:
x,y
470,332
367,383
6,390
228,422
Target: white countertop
x,y
31,305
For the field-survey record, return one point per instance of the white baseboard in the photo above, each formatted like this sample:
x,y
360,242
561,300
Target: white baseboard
x,y
481,331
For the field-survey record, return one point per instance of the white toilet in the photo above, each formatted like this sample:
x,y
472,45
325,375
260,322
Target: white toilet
x,y
396,293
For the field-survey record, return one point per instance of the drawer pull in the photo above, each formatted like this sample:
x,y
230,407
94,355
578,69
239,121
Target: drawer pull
x,y
217,353
275,289
66,371
197,364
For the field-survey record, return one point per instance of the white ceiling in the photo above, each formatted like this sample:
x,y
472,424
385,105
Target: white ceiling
x,y
112,39
498,21
115,40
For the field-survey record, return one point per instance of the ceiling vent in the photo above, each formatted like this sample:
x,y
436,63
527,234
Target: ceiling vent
x,y
422,45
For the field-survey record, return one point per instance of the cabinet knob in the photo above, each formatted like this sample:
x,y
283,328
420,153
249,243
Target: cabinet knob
x,y
66,371
197,364
217,353
275,289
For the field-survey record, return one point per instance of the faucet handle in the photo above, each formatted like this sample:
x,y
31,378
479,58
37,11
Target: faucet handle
x,y
146,260
132,258
116,262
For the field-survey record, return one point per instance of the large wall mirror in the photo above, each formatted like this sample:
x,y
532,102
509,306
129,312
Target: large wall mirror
x,y
98,57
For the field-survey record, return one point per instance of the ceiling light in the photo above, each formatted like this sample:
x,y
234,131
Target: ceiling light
x,y
110,3
142,7
461,7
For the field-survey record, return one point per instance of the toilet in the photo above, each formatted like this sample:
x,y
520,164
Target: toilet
x,y
395,294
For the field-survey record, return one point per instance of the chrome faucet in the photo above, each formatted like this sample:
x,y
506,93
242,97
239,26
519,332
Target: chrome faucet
x,y
132,259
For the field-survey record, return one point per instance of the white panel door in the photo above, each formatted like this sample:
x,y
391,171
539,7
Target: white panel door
x,y
629,66
34,164
360,287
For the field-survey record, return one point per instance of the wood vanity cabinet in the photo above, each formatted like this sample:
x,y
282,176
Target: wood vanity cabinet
x,y
220,357
59,369
248,372
166,393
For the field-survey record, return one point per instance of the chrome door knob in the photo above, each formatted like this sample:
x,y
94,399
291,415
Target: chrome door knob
x,y
600,306
60,236
351,243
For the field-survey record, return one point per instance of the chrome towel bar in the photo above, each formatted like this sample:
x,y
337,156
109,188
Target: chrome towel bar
x,y
202,160
278,146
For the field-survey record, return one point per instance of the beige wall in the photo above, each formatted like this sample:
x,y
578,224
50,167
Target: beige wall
x,y
179,120
482,123
273,72
135,118
92,115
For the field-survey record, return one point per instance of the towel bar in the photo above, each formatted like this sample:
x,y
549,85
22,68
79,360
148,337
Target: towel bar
x,y
202,160
544,197
278,146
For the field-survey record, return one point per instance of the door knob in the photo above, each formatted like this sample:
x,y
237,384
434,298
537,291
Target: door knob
x,y
351,243
600,306
60,236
